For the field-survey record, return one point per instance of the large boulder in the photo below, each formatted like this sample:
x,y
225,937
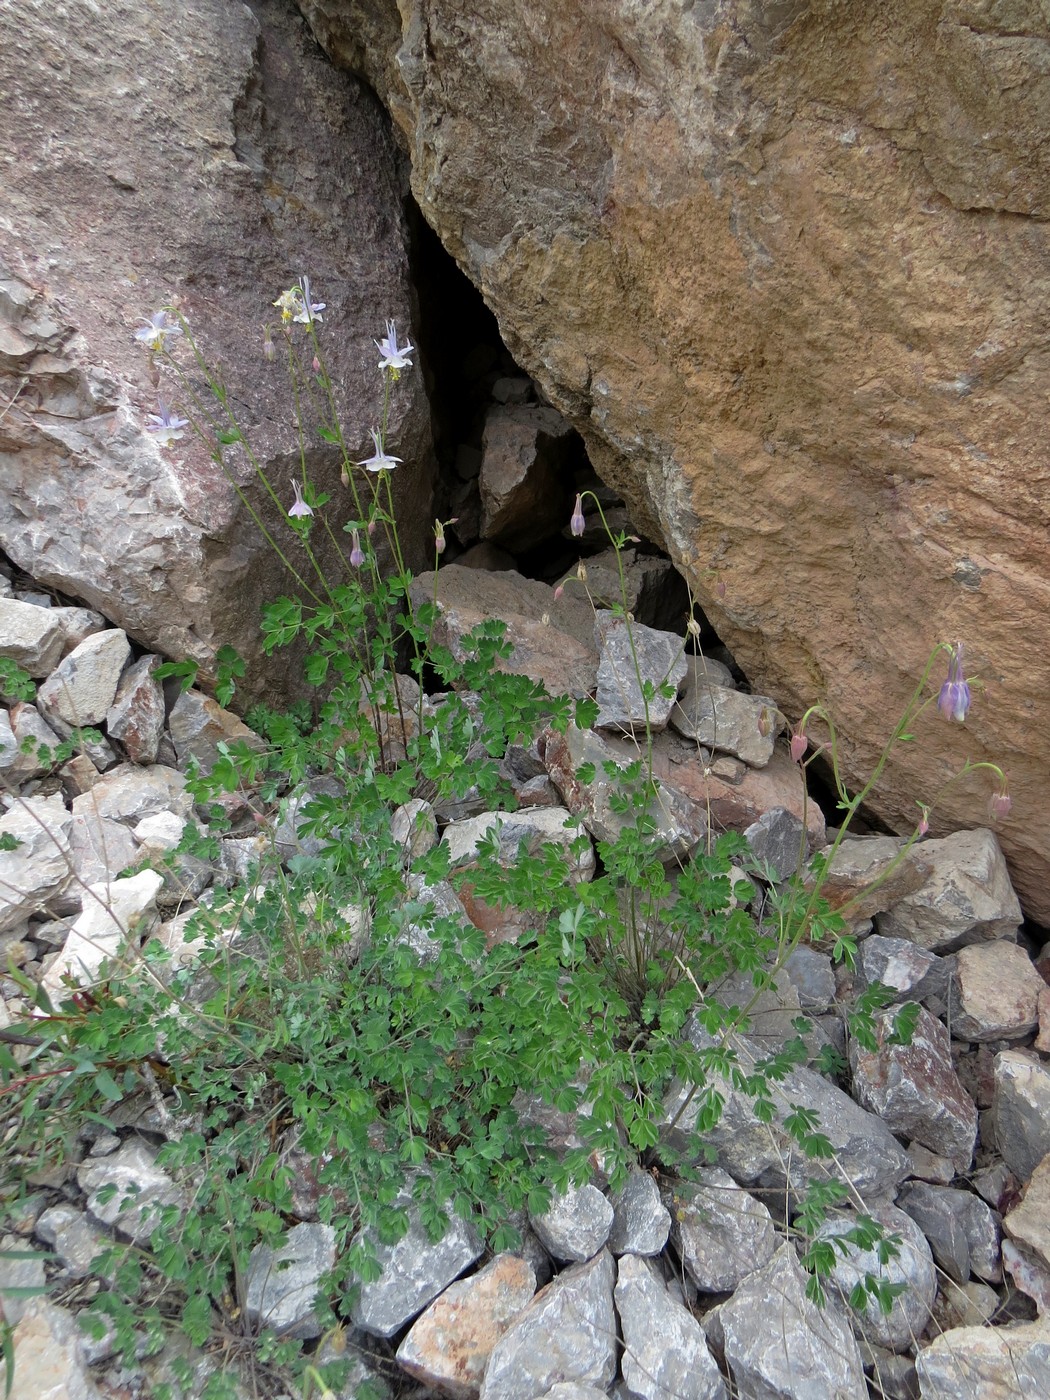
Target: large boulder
x,y
212,163
785,267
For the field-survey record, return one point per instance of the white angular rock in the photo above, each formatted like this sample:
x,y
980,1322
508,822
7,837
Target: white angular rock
x,y
567,1333
778,1343
100,849
31,637
282,1283
114,913
130,792
665,1352
961,1229
81,689
142,1189
28,728
534,826
39,867
577,1224
75,1239
967,897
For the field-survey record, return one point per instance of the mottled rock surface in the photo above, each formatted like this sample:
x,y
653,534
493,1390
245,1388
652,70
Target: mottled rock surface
x,y
665,1352
212,163
786,269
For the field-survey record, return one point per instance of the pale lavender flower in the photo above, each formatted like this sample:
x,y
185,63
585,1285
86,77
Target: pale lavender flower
x,y
166,426
269,349
1001,803
439,537
357,554
381,459
156,329
394,356
954,699
299,508
577,523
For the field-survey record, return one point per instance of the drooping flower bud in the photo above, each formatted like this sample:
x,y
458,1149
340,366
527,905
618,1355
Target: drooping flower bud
x,y
357,554
577,523
269,349
1000,803
315,365
954,699
924,821
799,745
559,591
439,537
765,722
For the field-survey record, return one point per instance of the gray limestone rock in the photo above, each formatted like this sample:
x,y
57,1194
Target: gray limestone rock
x,y
23,726
1021,1111
756,1153
728,722
721,1232
17,1274
81,689
534,826
963,1232
967,897
100,849
38,868
680,822
779,1344
813,975
915,1090
912,1266
992,1363
136,717
632,657
567,1333
76,1240
912,972
778,839
414,1271
198,725
130,792
142,1190
527,451
577,1225
665,1352
641,1221
282,1284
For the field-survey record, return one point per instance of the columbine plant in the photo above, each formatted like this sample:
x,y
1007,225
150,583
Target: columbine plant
x,y
336,1009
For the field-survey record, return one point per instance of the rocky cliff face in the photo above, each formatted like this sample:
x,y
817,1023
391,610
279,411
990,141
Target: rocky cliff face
x,y
212,162
785,266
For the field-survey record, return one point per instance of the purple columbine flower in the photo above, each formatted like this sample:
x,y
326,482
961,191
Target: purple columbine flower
x,y
577,523
166,426
954,699
394,356
156,329
381,460
299,508
357,554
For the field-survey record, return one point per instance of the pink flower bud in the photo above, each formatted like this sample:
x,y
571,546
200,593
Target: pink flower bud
x,y
720,588
1000,803
371,527
559,591
577,523
316,365
924,824
357,554
439,537
799,745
